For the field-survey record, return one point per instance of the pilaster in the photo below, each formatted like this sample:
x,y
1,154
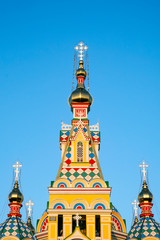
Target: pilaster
x,y
67,225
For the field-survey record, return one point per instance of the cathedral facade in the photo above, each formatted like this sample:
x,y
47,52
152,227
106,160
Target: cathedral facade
x,y
79,205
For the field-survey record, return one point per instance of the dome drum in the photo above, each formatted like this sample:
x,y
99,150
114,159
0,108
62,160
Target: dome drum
x,y
146,209
14,209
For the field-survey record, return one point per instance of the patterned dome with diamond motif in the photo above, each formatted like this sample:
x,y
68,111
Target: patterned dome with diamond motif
x,y
145,227
15,227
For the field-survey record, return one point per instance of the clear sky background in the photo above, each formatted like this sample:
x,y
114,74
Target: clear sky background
x,y
36,69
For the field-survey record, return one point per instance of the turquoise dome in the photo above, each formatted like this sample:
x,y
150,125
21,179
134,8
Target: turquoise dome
x,y
15,227
145,227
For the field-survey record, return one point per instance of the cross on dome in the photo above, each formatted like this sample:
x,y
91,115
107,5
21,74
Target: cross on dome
x,y
77,218
81,48
29,204
135,203
144,166
17,166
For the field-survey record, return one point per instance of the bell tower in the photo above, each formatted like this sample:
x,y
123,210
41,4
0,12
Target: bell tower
x,y
79,199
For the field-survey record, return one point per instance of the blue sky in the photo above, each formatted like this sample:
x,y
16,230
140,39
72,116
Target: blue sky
x,y
36,69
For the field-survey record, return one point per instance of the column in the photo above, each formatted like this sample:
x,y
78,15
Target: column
x,y
52,227
67,225
90,224
105,227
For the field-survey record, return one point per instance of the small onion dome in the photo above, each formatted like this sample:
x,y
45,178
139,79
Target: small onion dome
x,y
15,195
81,72
29,224
80,95
145,196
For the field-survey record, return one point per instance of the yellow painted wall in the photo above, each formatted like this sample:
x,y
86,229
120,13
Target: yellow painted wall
x,y
87,197
90,223
106,227
53,227
67,225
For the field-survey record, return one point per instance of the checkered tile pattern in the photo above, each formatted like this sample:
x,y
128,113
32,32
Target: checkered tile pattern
x,y
15,227
81,127
92,160
79,172
64,135
145,227
95,136
76,173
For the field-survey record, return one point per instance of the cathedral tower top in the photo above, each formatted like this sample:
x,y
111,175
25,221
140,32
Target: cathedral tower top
x,y
80,99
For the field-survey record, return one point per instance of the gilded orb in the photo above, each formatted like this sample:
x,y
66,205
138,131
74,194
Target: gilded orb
x,y
15,195
145,196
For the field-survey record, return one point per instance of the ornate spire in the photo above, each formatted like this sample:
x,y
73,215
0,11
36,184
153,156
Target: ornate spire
x,y
15,197
145,197
135,203
29,222
80,99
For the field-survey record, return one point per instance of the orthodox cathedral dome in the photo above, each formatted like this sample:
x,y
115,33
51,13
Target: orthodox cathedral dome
x,y
80,95
146,226
14,226
145,195
15,195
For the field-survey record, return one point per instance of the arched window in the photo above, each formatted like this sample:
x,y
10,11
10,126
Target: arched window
x,y
79,152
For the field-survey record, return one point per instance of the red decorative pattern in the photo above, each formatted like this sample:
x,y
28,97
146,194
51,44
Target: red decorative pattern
x,y
146,209
80,80
92,161
14,209
45,225
80,113
116,223
68,161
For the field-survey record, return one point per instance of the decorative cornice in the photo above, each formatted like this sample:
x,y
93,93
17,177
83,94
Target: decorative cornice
x,y
93,211
81,191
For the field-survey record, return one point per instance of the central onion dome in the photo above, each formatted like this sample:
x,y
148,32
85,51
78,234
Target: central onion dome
x,y
15,195
80,95
145,196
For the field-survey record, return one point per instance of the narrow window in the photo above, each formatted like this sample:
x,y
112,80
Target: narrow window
x,y
79,152
60,225
98,226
